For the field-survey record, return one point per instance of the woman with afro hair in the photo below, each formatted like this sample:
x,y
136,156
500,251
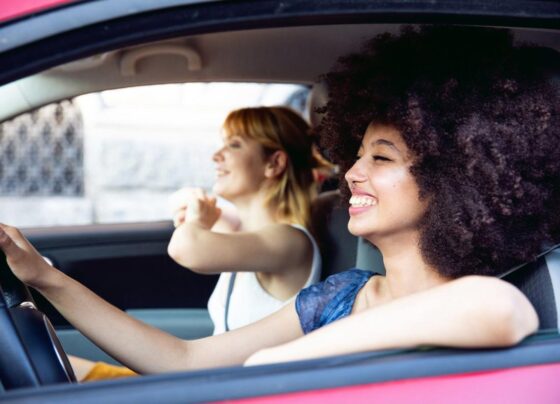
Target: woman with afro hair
x,y
449,139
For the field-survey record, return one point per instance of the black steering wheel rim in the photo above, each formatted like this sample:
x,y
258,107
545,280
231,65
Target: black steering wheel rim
x,y
30,352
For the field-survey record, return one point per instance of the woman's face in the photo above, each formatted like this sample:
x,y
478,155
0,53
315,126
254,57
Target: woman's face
x,y
385,198
240,168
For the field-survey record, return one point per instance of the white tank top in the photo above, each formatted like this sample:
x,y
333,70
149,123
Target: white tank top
x,y
249,302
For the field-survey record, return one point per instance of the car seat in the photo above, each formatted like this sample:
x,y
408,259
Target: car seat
x,y
539,280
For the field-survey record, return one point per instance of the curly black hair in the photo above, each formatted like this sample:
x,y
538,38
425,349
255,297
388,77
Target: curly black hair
x,y
480,115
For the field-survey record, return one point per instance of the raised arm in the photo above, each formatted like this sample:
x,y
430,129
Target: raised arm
x,y
470,312
141,347
273,249
200,244
226,216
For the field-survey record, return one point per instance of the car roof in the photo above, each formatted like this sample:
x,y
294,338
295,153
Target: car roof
x,y
291,42
10,10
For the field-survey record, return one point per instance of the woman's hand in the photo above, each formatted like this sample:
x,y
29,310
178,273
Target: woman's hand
x,y
192,205
202,210
24,261
178,204
179,216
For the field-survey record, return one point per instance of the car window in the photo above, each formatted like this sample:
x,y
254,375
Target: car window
x,y
116,156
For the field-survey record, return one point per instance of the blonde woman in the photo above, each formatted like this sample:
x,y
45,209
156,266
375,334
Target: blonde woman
x,y
264,168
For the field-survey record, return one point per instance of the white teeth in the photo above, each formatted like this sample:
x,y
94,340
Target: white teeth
x,y
361,201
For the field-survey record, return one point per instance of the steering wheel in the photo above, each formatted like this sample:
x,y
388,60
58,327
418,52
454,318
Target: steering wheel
x,y
30,352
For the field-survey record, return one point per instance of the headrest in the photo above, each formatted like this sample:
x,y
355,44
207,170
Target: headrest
x,y
329,223
318,97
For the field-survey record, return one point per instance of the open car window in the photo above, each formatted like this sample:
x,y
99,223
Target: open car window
x,y
116,156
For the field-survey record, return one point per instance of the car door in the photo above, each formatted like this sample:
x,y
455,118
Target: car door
x,y
347,371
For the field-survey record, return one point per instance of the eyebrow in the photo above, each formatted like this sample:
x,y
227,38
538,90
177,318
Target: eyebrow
x,y
384,142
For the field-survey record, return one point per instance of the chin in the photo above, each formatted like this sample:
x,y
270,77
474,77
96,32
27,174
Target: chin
x,y
224,192
220,191
358,230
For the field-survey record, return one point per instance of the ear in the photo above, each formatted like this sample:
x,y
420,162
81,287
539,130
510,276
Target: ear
x,y
276,164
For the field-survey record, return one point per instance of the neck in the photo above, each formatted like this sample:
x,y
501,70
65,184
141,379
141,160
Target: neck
x,y
406,270
253,213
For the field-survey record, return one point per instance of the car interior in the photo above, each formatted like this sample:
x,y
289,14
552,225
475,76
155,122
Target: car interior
x,y
117,260
240,56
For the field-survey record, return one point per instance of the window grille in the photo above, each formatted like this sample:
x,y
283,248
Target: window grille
x,y
41,152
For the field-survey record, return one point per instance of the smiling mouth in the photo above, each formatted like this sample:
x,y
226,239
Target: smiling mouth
x,y
221,173
362,201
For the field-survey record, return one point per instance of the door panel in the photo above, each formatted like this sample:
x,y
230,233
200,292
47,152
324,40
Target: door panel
x,y
183,323
127,264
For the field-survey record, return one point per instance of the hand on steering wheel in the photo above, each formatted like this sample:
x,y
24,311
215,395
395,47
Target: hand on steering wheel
x,y
24,260
30,353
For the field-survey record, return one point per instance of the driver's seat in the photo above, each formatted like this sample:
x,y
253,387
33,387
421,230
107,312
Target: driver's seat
x,y
540,282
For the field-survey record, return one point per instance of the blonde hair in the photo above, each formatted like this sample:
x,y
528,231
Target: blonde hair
x,y
280,128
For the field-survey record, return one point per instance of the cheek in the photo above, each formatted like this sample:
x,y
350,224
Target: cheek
x,y
393,181
400,188
254,164
411,194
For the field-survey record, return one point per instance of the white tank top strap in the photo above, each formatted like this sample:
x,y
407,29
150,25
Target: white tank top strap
x,y
315,274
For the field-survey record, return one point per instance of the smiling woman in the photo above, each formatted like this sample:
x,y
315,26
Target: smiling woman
x,y
264,168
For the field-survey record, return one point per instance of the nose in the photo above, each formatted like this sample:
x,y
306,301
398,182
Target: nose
x,y
355,174
218,156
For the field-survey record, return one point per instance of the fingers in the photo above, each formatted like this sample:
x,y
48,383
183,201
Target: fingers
x,y
212,201
179,217
7,244
24,260
180,198
186,199
196,206
200,194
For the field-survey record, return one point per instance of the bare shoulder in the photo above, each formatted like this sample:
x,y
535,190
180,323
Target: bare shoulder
x,y
289,251
287,236
483,284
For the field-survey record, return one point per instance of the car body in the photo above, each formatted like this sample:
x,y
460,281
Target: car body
x,y
56,50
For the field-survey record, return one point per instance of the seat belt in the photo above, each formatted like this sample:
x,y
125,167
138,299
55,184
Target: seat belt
x,y
228,299
515,268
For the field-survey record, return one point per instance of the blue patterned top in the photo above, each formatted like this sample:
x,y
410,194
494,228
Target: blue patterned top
x,y
330,300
